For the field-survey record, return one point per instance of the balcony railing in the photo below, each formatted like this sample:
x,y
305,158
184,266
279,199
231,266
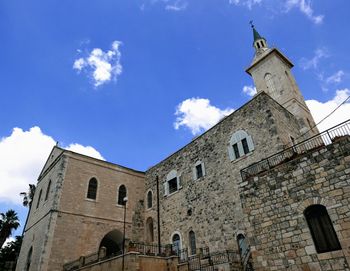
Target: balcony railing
x,y
325,138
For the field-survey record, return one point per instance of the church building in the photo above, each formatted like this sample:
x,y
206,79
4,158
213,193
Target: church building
x,y
263,189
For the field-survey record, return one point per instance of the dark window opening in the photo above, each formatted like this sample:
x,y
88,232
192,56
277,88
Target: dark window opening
x,y
199,171
245,146
172,185
149,199
48,190
235,149
192,242
92,189
262,44
39,198
258,45
321,228
121,195
29,259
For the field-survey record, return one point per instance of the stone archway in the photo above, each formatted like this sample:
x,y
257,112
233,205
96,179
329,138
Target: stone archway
x,y
113,242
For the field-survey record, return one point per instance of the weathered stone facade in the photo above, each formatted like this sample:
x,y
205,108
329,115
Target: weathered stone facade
x,y
274,203
196,197
213,200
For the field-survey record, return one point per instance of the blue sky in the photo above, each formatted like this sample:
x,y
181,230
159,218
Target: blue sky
x,y
132,81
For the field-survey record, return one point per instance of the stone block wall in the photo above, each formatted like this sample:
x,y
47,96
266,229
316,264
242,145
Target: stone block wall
x,y
210,206
69,225
274,203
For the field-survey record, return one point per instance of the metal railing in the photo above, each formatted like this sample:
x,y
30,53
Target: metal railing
x,y
150,249
325,138
198,262
82,261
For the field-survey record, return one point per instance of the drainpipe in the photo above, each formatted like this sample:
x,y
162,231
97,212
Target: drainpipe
x,y
158,215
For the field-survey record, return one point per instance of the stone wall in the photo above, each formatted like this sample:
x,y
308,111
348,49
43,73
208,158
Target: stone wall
x,y
274,205
210,206
69,225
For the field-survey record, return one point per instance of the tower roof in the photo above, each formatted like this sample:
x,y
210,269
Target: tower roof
x,y
256,34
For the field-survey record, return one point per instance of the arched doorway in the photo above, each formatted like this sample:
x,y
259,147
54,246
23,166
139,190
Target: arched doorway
x,y
113,242
176,241
149,230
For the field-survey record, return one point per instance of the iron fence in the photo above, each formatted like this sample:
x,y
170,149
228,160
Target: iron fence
x,y
152,249
325,138
204,262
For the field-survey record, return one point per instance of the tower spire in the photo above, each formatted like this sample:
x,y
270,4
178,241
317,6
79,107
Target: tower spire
x,y
259,42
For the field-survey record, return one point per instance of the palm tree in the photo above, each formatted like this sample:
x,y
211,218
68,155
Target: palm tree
x,y
9,222
28,196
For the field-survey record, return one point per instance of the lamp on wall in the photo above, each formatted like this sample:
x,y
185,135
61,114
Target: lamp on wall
x,y
125,200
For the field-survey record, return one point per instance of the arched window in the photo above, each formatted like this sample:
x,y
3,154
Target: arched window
x,y
240,144
122,194
192,242
29,259
321,228
149,199
48,190
149,230
92,189
39,198
176,241
270,83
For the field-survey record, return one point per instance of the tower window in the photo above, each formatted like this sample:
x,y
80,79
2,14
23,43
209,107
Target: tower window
x,y
121,194
48,190
258,45
240,144
92,189
149,199
321,228
39,198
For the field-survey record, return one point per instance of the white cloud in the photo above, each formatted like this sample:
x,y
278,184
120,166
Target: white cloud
x,y
319,110
101,66
248,3
335,78
22,156
249,90
86,150
283,6
198,115
8,240
176,6
305,7
312,63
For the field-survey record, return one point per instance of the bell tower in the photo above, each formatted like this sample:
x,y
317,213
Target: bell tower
x,y
271,72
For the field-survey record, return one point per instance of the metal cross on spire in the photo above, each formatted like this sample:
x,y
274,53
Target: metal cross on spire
x,y
251,23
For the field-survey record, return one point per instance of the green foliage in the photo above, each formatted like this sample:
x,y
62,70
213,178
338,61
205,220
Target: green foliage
x,y
9,254
9,222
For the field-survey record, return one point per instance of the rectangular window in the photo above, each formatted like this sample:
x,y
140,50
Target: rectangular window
x,y
235,149
172,185
199,171
245,146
